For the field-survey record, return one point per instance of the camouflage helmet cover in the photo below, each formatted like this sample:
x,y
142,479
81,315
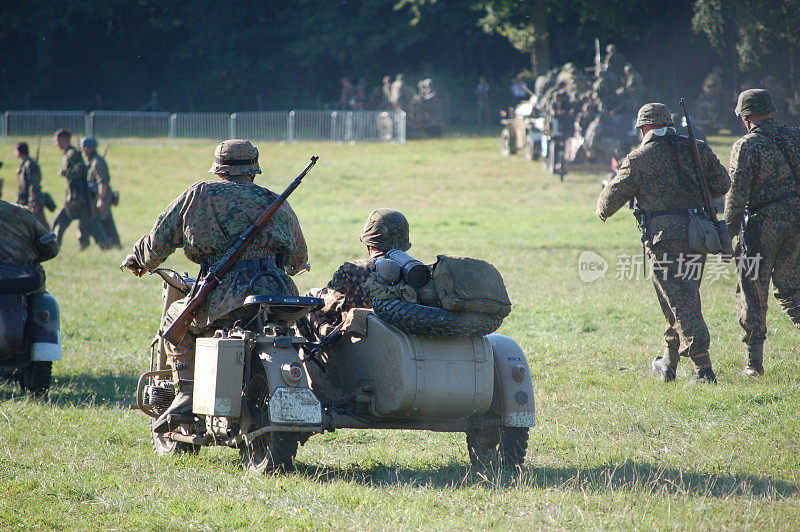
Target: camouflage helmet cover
x,y
754,102
88,142
386,229
235,157
655,114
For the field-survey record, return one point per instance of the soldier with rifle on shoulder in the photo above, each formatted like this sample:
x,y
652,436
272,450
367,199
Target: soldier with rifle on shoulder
x,y
205,221
29,180
668,188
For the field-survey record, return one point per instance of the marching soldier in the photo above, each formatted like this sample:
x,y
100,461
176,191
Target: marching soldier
x,y
763,206
660,176
100,188
76,198
29,179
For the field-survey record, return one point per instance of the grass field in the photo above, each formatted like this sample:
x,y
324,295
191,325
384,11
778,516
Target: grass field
x,y
613,446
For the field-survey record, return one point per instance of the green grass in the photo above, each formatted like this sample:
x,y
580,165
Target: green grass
x,y
613,446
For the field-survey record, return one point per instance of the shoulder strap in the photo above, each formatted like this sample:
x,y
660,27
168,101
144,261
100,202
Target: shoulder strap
x,y
779,144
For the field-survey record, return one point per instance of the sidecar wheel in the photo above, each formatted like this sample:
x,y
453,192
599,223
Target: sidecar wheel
x,y
505,446
166,447
482,447
270,453
513,446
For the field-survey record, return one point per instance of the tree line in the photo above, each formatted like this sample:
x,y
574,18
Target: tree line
x,y
242,55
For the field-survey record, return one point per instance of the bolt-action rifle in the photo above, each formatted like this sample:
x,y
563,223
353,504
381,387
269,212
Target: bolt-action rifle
x,y
175,333
705,192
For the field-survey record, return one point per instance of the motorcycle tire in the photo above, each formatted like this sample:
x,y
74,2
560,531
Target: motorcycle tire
x,y
15,279
432,321
270,453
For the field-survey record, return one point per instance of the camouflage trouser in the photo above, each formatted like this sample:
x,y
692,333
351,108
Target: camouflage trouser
x,y
676,275
106,222
774,255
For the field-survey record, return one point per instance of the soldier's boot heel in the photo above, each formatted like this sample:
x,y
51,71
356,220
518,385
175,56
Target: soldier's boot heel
x,y
755,361
704,374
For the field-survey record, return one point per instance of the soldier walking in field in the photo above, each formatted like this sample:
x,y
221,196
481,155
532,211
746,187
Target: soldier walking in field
x,y
29,179
100,188
205,221
659,175
76,198
763,207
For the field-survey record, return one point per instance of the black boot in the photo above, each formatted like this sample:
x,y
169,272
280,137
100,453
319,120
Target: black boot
x,y
182,404
703,371
755,361
183,375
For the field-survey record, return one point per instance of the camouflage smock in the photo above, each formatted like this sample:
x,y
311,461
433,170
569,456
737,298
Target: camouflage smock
x,y
74,170
21,242
97,170
206,221
660,174
344,291
349,281
760,173
97,174
29,181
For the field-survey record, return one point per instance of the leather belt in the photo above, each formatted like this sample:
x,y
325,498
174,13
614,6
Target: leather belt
x,y
254,266
753,210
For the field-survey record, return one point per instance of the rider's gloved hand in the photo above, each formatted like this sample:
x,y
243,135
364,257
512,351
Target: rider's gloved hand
x,y
131,264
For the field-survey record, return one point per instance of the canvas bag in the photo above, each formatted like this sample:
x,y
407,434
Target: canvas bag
x,y
703,236
470,285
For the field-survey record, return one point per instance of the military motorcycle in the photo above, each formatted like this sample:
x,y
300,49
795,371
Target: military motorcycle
x,y
30,333
263,388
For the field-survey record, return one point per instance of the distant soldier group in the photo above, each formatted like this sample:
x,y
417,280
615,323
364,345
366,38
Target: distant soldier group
x,y
594,112
88,197
762,210
423,107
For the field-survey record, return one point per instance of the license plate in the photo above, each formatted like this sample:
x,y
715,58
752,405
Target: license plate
x,y
295,406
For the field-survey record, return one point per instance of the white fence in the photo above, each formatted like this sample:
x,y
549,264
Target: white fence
x,y
281,126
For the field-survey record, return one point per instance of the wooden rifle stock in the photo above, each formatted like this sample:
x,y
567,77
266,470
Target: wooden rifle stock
x,y
177,330
719,225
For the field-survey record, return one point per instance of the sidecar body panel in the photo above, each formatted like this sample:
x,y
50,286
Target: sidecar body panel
x,y
415,377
